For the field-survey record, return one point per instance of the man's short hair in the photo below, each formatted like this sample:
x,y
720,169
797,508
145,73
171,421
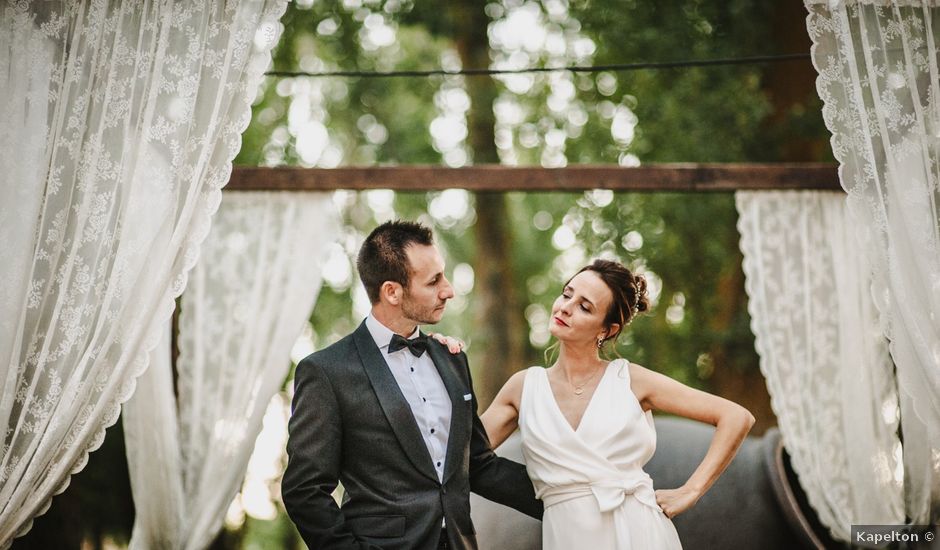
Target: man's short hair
x,y
383,255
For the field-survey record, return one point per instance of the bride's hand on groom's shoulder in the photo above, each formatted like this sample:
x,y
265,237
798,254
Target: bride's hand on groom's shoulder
x,y
454,345
675,501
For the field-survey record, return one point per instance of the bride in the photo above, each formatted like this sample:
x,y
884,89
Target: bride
x,y
587,427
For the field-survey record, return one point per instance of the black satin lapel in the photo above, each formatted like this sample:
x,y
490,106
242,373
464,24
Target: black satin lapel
x,y
459,436
393,402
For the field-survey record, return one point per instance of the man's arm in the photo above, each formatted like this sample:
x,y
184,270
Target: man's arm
x,y
314,454
496,478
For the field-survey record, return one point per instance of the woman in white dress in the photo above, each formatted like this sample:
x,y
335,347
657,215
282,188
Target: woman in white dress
x,y
587,427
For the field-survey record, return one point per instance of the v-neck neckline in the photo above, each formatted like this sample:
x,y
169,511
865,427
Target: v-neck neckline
x,y
576,429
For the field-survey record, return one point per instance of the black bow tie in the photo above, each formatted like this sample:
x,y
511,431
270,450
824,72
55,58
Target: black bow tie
x,y
417,346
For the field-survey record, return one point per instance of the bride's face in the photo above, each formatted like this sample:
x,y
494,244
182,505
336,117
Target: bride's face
x,y
578,313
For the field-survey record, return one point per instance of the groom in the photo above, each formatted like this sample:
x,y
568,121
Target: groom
x,y
392,414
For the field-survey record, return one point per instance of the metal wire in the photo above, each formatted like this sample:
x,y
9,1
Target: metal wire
x,y
622,67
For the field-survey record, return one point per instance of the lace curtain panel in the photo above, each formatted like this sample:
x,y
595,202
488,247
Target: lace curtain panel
x,y
880,83
247,300
119,122
823,356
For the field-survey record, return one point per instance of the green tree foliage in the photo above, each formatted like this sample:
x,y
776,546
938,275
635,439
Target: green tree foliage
x,y
687,243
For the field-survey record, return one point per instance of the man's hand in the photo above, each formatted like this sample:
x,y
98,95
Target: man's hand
x,y
454,345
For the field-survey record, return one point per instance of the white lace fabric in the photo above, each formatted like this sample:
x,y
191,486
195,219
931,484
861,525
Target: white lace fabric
x,y
247,300
119,122
822,354
879,80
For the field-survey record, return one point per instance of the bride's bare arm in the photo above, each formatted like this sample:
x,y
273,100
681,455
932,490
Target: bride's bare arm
x,y
732,422
502,416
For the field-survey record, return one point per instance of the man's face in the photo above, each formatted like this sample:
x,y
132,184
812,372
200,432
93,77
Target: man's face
x,y
428,289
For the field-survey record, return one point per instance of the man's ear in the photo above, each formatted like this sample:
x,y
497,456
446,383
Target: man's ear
x,y
391,292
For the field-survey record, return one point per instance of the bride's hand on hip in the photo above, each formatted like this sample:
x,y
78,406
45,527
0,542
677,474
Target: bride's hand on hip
x,y
454,345
675,501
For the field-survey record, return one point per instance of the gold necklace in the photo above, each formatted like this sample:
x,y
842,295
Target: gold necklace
x,y
579,388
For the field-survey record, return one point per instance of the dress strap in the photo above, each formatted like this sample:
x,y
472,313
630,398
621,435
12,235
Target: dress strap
x,y
529,391
623,368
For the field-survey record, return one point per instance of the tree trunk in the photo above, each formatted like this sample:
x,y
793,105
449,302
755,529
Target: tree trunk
x,y
500,328
500,331
792,85
745,387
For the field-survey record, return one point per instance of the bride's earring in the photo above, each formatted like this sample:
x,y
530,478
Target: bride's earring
x,y
600,342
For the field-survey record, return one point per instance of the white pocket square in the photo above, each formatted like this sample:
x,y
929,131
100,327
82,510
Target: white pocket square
x,y
467,397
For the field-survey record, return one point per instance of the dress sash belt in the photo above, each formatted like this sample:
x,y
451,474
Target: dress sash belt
x,y
610,494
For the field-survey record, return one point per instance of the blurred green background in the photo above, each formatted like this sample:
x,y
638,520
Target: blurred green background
x,y
508,253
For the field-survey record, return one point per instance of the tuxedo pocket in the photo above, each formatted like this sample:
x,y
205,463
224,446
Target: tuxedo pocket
x,y
378,526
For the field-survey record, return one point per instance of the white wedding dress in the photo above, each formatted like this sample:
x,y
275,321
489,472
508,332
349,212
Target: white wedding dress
x,y
591,480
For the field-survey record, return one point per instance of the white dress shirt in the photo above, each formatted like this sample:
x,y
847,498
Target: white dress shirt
x,y
422,387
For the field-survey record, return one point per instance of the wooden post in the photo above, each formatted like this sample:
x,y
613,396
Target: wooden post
x,y
652,178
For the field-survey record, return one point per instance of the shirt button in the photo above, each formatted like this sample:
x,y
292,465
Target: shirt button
x,y
438,464
432,430
425,399
412,369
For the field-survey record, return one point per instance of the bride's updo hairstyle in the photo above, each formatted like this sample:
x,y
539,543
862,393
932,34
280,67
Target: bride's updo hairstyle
x,y
629,293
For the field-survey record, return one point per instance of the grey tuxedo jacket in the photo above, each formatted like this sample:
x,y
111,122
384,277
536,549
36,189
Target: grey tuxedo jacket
x,y
350,422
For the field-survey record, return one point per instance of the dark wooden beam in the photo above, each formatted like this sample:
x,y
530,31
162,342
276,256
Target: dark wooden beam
x,y
649,178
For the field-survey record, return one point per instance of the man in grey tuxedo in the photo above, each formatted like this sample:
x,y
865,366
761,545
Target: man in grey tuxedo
x,y
392,414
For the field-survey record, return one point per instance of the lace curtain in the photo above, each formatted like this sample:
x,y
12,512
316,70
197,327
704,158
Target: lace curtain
x,y
823,356
880,83
245,305
119,123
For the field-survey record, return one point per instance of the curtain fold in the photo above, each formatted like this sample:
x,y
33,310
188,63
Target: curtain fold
x,y
823,355
120,121
879,81
247,300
